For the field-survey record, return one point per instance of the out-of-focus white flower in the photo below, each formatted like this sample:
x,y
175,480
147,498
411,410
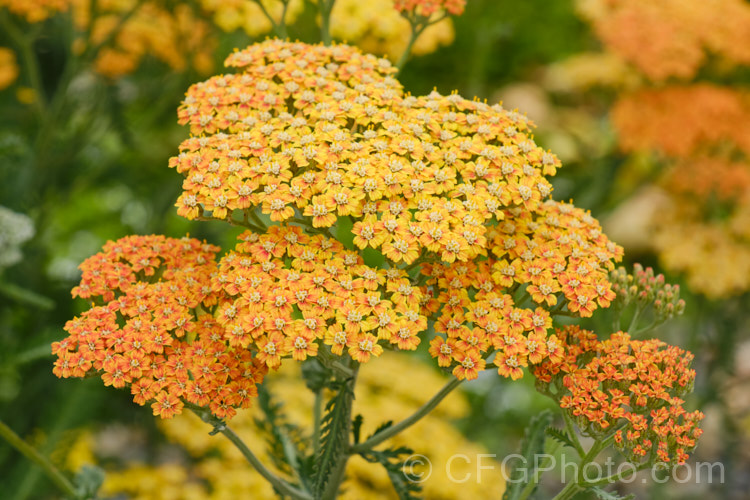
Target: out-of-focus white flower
x,y
15,229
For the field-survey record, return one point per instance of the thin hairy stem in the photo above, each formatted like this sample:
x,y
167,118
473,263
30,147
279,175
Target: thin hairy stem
x,y
408,421
219,426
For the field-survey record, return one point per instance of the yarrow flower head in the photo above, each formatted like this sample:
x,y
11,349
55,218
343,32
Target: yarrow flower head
x,y
326,132
440,210
147,328
310,135
632,386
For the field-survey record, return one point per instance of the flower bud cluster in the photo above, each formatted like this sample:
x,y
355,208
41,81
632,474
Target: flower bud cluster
x,y
644,288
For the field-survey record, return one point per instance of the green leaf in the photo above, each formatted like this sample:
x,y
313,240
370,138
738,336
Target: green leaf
x,y
560,436
531,447
607,495
405,484
315,375
381,428
333,442
285,440
357,428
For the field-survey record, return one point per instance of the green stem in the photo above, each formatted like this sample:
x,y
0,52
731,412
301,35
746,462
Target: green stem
x,y
415,32
278,29
25,42
325,7
531,485
408,421
418,25
572,432
337,474
617,476
232,222
57,477
279,484
317,415
282,22
634,321
568,492
257,220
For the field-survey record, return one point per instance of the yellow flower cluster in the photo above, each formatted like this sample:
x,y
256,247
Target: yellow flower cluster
x,y
556,253
174,36
378,28
446,198
325,132
284,292
313,135
220,472
671,38
590,69
230,15
35,11
8,67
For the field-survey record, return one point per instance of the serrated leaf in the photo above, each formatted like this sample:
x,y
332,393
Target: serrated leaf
x,y
609,495
560,436
285,440
357,428
404,484
531,447
333,440
315,375
381,428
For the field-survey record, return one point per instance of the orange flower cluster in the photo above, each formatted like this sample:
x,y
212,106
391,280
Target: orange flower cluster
x,y
630,386
671,38
701,131
150,330
285,293
427,8
682,121
557,256
320,133
704,131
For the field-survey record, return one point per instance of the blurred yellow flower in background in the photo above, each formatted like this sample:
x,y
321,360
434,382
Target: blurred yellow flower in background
x,y
378,28
175,36
8,67
248,15
35,11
